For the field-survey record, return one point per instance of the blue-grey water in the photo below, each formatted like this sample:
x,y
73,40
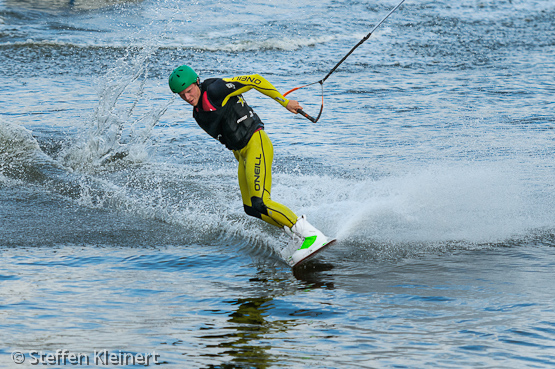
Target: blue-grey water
x,y
121,223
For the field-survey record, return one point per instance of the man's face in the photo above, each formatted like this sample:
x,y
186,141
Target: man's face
x,y
191,94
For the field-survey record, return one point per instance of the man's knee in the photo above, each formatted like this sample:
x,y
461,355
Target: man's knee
x,y
257,209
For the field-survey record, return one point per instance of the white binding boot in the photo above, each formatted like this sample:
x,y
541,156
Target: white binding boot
x,y
305,240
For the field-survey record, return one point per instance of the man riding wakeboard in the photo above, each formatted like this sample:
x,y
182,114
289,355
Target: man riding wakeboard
x,y
220,109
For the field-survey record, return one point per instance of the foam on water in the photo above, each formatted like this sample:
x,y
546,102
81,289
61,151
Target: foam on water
x,y
123,119
167,193
432,202
477,201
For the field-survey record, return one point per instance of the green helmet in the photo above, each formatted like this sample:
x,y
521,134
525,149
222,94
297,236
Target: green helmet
x,y
181,78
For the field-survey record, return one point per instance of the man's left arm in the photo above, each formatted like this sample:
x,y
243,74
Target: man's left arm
x,y
261,84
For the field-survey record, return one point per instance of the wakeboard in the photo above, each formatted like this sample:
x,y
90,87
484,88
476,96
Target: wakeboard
x,y
313,254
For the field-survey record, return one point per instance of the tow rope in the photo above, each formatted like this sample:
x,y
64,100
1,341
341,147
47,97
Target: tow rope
x,y
321,82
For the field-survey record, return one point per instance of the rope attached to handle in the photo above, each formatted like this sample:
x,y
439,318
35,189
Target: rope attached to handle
x,y
321,82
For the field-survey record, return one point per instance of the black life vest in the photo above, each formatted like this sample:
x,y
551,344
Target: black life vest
x,y
232,124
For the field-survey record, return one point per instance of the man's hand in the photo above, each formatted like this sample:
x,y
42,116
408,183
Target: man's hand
x,y
293,106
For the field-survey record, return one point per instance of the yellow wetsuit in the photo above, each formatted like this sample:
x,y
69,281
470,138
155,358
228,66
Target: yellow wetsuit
x,y
224,114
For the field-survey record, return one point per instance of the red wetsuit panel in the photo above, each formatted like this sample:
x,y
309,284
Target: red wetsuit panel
x,y
206,106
